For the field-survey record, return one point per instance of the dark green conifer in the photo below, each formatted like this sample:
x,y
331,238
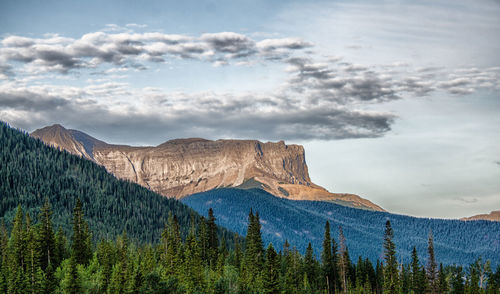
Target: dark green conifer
x,y
391,279
271,281
81,242
432,273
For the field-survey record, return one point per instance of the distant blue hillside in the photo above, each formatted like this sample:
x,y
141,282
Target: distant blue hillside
x,y
456,242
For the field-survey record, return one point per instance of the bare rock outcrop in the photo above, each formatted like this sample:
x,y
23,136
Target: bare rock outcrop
x,y
492,216
181,167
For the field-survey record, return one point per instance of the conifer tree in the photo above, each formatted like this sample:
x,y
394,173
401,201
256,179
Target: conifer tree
x,y
3,257
417,281
71,283
443,284
391,280
432,274
192,271
60,248
213,240
343,262
310,266
46,237
328,261
81,247
254,253
17,250
203,241
33,279
271,280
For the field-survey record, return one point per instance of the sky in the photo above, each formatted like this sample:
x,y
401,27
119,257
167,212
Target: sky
x,y
396,101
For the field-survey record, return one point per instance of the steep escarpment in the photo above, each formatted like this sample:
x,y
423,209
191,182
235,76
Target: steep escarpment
x,y
181,167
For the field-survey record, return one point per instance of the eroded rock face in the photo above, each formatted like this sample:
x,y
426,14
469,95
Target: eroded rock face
x,y
492,216
185,166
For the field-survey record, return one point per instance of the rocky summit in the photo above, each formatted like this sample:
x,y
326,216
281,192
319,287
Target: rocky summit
x,y
181,167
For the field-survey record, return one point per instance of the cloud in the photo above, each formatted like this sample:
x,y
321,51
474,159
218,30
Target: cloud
x,y
322,97
466,200
169,115
59,54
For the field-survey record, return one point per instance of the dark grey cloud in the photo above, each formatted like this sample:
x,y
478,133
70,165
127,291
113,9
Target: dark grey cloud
x,y
186,115
497,162
29,101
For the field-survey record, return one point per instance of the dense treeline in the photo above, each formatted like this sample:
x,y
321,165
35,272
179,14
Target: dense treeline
x,y
35,259
30,171
300,222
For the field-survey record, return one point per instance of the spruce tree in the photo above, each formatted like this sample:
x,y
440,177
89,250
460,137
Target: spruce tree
x,y
254,253
213,240
417,282
81,242
17,250
432,274
192,276
46,237
443,284
271,281
343,262
391,279
72,283
327,261
310,266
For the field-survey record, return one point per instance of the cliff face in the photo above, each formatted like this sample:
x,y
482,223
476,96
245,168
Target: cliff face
x,y
492,216
185,166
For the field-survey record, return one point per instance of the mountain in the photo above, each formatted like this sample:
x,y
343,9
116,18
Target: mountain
x,y
30,172
181,167
492,216
300,222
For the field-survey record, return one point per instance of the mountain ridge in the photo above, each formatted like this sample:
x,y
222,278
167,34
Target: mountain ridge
x,y
181,167
493,216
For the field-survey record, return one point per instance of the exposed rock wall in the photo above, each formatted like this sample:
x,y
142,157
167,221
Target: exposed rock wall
x,y
185,166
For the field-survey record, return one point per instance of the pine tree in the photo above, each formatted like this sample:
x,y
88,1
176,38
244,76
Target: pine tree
x,y
328,261
32,258
271,280
213,240
417,283
391,280
192,272
17,250
46,237
3,257
443,284
343,262
432,274
71,283
254,253
81,246
60,248
310,266
457,280
203,241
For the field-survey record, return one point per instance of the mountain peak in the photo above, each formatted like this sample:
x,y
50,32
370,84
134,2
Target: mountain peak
x,y
182,167
73,141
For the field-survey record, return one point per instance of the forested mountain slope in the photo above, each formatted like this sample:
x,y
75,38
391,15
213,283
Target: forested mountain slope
x,y
456,242
31,171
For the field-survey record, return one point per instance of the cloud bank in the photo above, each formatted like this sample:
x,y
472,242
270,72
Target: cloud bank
x,y
323,98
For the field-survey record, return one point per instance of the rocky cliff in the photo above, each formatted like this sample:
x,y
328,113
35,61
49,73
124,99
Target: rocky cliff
x,y
492,216
182,167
